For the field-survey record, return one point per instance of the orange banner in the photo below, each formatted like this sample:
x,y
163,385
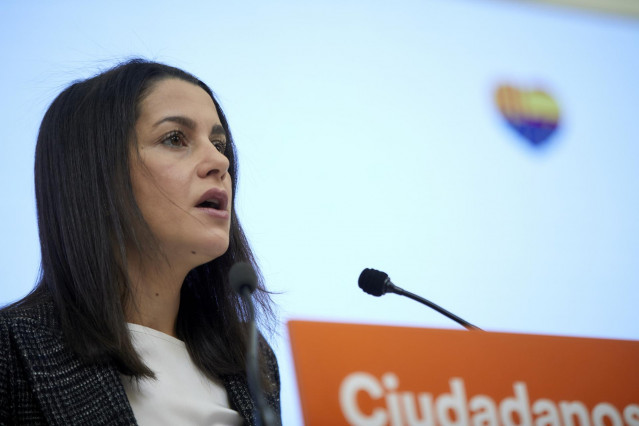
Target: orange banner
x,y
379,375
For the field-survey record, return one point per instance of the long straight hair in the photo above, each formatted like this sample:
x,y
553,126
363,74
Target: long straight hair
x,y
88,216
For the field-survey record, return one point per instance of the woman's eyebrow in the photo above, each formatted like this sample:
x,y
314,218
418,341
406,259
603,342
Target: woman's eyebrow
x,y
184,121
216,130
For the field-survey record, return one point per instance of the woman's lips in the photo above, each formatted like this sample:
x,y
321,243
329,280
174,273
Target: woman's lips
x,y
214,203
221,214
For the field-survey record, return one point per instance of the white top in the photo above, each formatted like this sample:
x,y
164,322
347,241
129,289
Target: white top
x,y
181,394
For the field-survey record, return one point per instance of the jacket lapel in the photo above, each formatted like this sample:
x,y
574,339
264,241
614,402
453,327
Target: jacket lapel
x,y
240,397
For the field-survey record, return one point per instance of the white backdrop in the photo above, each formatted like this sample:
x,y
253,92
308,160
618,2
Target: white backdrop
x,y
369,136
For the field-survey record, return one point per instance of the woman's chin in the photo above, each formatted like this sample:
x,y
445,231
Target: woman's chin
x,y
204,255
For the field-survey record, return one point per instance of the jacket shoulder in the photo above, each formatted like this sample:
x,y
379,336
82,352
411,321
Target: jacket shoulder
x,y
36,307
28,320
41,378
18,323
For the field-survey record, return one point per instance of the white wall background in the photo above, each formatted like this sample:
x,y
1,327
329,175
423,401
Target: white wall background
x,y
369,137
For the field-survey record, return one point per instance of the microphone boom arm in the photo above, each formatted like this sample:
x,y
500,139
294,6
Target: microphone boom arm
x,y
391,288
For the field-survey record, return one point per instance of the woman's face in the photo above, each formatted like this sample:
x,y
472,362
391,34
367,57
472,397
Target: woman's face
x,y
180,179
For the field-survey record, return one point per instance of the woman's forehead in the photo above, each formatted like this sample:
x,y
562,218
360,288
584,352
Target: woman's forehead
x,y
177,98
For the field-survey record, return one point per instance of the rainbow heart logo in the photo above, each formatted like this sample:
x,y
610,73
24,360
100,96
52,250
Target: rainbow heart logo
x,y
533,114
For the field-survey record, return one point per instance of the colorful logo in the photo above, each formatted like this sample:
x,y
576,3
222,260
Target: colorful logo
x,y
533,114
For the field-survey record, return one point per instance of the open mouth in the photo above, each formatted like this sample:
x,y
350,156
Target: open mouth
x,y
213,199
210,204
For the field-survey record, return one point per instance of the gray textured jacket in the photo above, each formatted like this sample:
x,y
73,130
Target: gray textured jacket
x,y
42,381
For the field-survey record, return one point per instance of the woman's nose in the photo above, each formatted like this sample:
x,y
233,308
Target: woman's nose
x,y
213,161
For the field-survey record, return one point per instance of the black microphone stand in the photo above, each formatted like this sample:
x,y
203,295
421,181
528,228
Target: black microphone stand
x,y
264,415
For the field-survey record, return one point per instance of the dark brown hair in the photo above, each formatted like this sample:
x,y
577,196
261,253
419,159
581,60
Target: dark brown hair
x,y
87,214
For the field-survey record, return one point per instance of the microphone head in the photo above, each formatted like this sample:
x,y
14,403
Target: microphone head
x,y
373,282
242,275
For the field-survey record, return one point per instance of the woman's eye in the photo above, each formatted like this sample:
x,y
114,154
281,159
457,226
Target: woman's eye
x,y
174,140
220,146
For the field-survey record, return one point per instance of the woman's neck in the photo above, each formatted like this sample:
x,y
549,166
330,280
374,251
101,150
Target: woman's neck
x,y
155,294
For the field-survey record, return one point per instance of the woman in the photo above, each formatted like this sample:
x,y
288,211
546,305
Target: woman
x,y
133,318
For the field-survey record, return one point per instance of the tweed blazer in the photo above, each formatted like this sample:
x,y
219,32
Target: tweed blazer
x,y
43,382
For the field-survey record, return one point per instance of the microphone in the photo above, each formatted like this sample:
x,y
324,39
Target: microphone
x,y
243,280
378,283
